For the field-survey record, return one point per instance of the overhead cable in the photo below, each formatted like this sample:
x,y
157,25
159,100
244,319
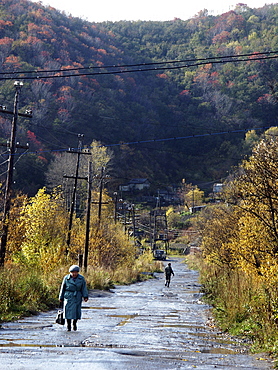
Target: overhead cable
x,y
62,73
140,64
193,136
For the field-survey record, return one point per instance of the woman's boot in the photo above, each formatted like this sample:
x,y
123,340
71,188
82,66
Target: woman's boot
x,y
74,325
69,324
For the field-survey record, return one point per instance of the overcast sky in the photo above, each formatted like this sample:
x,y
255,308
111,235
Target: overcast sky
x,y
154,10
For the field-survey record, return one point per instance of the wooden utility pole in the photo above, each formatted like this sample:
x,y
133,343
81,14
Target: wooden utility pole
x,y
89,202
76,177
115,207
158,216
100,194
89,199
8,191
101,185
133,221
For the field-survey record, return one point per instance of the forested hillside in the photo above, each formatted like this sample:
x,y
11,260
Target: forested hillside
x,y
41,46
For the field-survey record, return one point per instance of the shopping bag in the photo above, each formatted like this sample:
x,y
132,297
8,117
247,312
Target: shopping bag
x,y
60,318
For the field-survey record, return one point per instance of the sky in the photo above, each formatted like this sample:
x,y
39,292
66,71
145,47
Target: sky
x,y
153,10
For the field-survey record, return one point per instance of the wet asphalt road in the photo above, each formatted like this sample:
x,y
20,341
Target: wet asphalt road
x,y
141,326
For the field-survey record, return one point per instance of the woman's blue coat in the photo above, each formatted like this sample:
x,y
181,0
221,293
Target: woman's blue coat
x,y
71,293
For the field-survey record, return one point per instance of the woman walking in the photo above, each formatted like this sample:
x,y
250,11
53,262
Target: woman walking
x,y
73,289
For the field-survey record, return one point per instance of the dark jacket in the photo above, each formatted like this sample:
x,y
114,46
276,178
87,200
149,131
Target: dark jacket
x,y
169,271
71,293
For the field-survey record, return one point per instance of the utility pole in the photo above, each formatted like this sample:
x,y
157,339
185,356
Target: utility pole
x,y
89,199
89,202
115,206
100,194
154,230
193,200
101,184
76,177
133,222
12,148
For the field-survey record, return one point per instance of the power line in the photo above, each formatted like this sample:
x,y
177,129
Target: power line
x,y
21,154
193,136
142,64
201,62
57,129
3,173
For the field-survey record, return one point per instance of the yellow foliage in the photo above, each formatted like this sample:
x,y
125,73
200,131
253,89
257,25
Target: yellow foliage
x,y
240,246
254,249
192,195
100,155
240,238
111,248
44,221
169,211
218,226
16,232
254,191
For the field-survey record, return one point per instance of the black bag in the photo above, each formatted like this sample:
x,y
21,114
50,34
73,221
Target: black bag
x,y
60,318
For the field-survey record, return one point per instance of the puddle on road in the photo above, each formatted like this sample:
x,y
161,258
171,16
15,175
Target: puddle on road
x,y
131,291
12,344
182,326
216,351
208,335
192,291
27,326
215,338
220,351
125,317
99,308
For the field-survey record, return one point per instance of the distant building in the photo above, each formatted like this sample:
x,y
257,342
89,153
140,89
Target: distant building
x,y
196,209
217,188
169,196
135,184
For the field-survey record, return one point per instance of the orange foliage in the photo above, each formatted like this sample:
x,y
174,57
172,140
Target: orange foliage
x,y
31,40
222,37
184,92
65,88
4,24
102,51
162,75
6,41
12,61
33,27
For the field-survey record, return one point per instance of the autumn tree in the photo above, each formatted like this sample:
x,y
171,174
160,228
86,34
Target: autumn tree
x,y
16,230
254,191
191,195
65,164
217,226
239,245
44,222
112,248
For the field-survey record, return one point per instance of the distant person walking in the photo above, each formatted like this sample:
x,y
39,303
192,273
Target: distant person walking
x,y
73,289
168,272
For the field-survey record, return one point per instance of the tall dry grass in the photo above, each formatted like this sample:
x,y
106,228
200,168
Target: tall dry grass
x,y
241,305
23,291
26,290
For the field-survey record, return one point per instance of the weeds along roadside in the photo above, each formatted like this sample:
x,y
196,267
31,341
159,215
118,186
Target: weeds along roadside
x,y
241,305
25,291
